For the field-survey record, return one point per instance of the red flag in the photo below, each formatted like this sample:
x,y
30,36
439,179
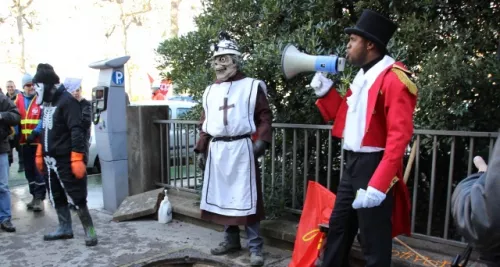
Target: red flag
x,y
151,80
317,209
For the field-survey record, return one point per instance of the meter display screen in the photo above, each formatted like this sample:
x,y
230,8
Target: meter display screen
x,y
99,94
99,98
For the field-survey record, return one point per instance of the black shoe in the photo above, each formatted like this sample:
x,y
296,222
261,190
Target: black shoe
x,y
30,204
21,168
37,205
256,259
7,226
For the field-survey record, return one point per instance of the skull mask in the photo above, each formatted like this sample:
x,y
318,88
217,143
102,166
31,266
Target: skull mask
x,y
226,57
225,67
39,89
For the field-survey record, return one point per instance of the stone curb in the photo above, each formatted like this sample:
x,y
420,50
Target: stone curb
x,y
282,233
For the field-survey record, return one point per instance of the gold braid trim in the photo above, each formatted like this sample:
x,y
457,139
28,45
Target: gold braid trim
x,y
403,77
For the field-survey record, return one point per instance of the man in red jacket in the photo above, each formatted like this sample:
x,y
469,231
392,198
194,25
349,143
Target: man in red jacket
x,y
375,119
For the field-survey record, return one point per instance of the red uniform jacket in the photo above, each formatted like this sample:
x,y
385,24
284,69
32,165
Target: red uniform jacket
x,y
389,124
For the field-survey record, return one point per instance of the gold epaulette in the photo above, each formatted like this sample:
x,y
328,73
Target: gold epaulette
x,y
403,77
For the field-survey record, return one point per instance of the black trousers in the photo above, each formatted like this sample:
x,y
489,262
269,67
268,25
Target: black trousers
x,y
374,224
63,186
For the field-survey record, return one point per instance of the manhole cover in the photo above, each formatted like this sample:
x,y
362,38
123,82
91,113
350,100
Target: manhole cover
x,y
184,262
184,258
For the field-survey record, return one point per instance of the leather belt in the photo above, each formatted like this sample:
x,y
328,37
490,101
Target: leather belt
x,y
230,138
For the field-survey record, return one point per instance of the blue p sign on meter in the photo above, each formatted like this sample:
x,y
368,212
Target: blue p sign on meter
x,y
118,78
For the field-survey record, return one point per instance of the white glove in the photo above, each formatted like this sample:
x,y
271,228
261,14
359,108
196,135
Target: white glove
x,y
368,198
321,84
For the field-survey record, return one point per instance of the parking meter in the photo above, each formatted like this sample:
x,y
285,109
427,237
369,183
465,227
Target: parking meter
x,y
109,117
99,97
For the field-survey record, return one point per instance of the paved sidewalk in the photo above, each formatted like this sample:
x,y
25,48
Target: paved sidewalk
x,y
16,178
119,243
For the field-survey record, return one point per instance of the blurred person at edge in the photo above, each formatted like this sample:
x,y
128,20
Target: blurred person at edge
x,y
29,138
12,93
9,116
475,206
74,86
157,94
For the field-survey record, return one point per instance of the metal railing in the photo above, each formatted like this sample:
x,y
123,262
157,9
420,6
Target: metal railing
x,y
303,152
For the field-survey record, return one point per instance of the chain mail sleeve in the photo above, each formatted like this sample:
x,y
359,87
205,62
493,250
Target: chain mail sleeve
x,y
476,205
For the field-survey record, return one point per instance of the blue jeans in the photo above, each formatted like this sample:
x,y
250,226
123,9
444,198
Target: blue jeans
x,y
35,179
255,242
4,188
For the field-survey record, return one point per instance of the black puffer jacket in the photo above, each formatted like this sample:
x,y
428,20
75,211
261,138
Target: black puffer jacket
x,y
9,116
63,132
86,108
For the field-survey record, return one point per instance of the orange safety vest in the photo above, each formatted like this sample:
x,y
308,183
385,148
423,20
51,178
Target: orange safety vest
x,y
29,118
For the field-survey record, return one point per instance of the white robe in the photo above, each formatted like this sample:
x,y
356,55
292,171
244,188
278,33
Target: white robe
x,y
229,185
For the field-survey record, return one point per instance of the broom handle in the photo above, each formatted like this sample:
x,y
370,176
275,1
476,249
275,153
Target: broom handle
x,y
409,165
416,253
408,168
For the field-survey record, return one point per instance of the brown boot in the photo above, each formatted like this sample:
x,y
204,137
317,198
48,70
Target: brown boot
x,y
231,244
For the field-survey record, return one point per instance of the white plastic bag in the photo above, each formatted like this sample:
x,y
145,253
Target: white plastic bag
x,y
165,210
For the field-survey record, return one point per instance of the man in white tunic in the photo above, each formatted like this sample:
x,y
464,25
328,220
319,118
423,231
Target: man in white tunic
x,y
235,131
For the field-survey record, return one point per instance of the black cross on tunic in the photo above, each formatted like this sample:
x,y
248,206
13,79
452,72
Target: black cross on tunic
x,y
225,108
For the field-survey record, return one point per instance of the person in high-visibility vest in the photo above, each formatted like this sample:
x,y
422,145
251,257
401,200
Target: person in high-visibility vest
x,y
30,129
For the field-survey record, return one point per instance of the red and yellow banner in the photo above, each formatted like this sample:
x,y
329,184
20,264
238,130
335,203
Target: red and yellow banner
x,y
317,209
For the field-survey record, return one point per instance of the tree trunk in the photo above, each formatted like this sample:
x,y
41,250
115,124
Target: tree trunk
x,y
20,33
125,25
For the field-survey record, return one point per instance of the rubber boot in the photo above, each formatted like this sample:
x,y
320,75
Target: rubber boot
x,y
231,244
88,226
64,230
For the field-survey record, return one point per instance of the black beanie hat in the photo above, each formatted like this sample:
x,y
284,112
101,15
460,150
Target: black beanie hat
x,y
45,74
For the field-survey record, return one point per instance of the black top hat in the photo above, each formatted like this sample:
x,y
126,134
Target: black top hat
x,y
374,27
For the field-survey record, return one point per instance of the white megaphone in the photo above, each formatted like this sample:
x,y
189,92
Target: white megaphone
x,y
294,62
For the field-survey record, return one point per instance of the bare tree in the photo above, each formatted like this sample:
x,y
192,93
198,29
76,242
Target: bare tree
x,y
131,13
19,11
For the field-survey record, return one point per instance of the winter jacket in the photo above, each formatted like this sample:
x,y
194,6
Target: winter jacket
x,y
86,108
14,96
9,116
62,132
476,206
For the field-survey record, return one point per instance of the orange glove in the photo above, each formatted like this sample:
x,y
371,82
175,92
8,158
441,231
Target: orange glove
x,y
77,165
39,158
